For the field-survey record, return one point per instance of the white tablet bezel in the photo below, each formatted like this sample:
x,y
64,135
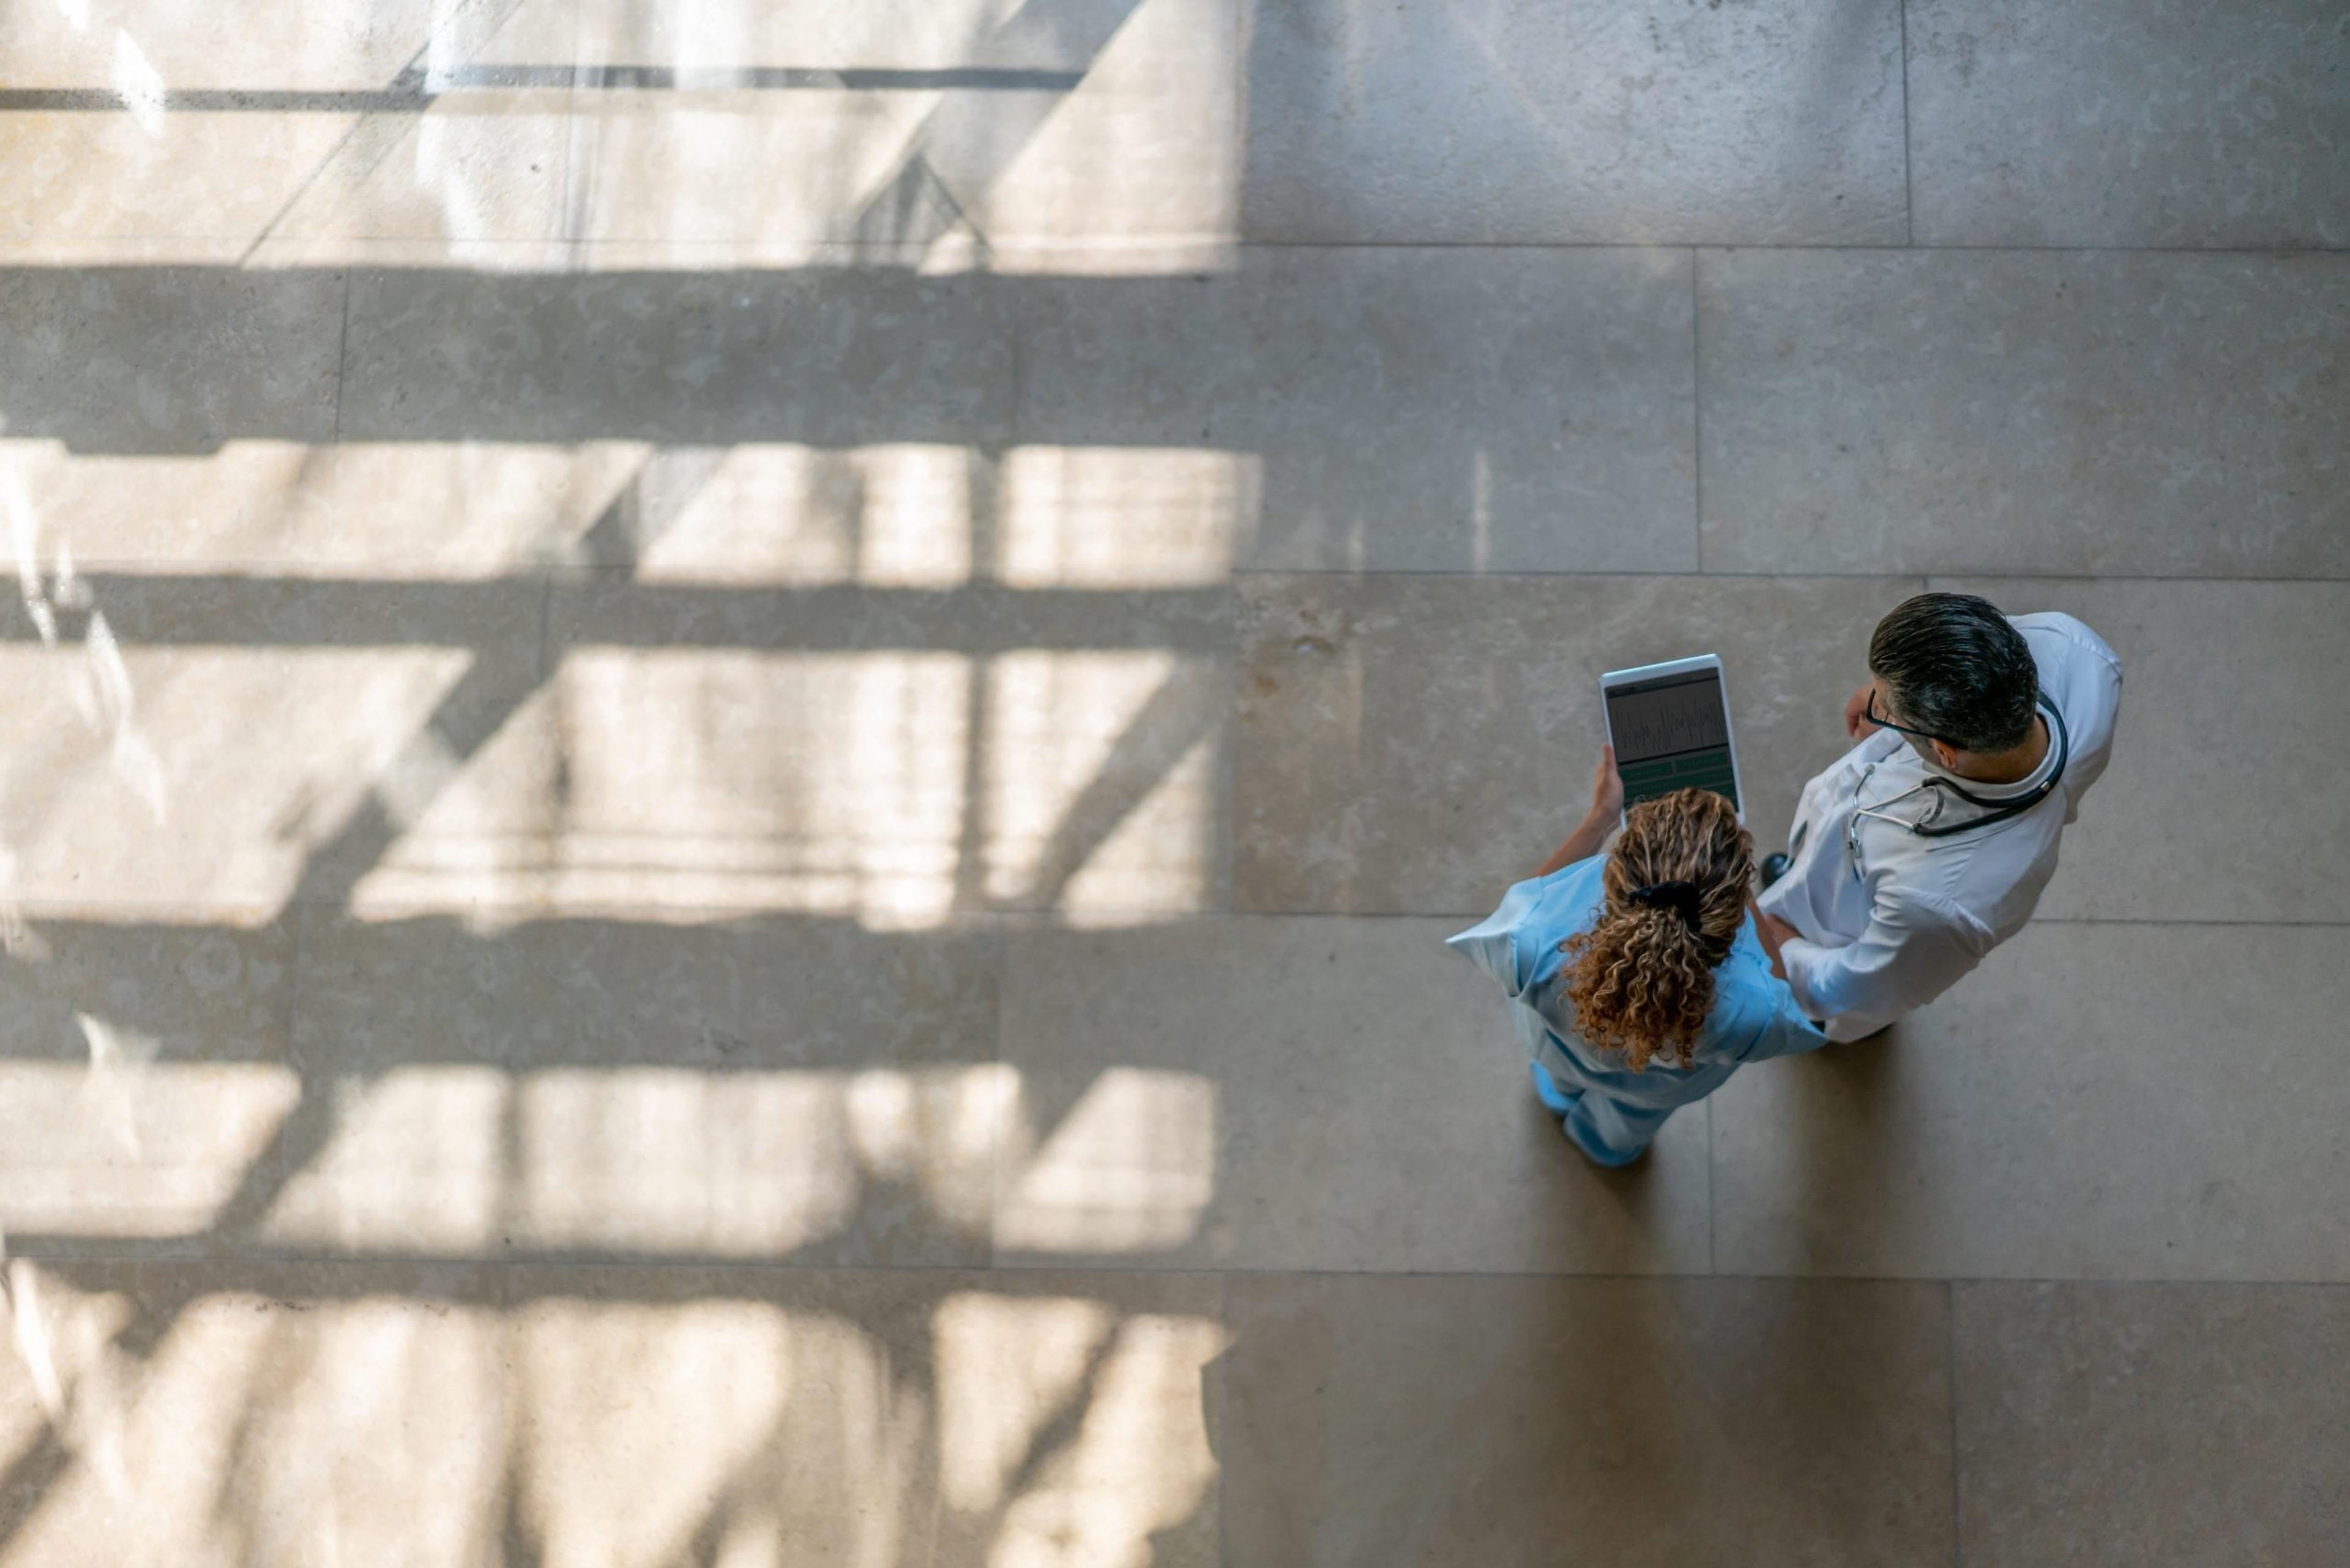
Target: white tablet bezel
x,y
1702,662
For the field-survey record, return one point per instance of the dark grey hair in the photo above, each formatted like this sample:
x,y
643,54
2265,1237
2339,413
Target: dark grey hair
x,y
1956,670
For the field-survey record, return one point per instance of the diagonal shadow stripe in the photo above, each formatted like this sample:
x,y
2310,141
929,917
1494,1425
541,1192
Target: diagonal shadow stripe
x,y
300,1138
964,146
27,1481
1187,707
490,693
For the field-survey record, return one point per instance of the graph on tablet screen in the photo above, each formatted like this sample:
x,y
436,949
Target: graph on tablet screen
x,y
1672,734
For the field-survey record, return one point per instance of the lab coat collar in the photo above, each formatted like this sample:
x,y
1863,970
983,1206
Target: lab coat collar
x,y
1998,792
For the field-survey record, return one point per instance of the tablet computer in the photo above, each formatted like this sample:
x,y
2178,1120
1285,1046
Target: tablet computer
x,y
1670,726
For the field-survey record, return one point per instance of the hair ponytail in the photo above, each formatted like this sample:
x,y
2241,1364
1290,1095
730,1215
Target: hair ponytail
x,y
1642,978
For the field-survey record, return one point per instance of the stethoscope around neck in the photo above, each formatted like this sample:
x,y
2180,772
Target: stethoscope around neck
x,y
1926,826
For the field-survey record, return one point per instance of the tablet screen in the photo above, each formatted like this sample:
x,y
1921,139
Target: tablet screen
x,y
1671,733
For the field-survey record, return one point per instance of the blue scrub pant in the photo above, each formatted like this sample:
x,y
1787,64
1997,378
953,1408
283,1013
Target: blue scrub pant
x,y
1608,1131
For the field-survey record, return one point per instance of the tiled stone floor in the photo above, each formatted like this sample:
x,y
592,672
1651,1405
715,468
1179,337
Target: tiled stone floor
x,y
738,733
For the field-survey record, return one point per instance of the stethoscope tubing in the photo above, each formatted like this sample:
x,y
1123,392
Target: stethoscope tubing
x,y
1997,810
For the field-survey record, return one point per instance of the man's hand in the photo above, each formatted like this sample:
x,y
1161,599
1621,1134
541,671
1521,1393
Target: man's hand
x,y
1855,714
1773,932
1607,788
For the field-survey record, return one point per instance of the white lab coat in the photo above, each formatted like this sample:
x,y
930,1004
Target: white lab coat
x,y
1887,931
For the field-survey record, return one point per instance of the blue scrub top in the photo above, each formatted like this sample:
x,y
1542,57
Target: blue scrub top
x,y
1754,1015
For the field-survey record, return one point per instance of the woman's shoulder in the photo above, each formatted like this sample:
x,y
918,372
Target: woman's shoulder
x,y
1516,943
1587,872
1569,899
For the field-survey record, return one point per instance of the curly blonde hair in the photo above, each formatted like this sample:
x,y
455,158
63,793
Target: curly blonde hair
x,y
1642,978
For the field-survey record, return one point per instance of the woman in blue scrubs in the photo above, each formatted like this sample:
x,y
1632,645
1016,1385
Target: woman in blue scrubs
x,y
1636,977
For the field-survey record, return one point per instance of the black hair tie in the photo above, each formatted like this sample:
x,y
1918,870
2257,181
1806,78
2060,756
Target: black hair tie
x,y
1681,897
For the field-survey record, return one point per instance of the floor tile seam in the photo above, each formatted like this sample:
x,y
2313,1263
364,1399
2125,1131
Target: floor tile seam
x,y
1951,1396
291,1058
1480,912
1712,1265
1643,247
1697,417
2321,925
999,1173
585,248
249,260
164,571
1909,167
268,911
326,244
439,1263
268,230
1254,574
573,195
1686,1276
547,660
455,1263
1120,923
196,570
342,361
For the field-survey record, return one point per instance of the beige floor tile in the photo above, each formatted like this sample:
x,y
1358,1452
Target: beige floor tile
x,y
257,1414
172,359
2014,411
1303,1094
768,253
1420,744
393,512
902,753
431,355
1102,125
212,743
1647,124
830,357
925,1416
760,1092
578,1088
145,994
1419,409
810,34
2219,803
740,165
2096,1100
1041,546
102,251
143,1071
597,1414
407,1036
1624,1421
443,252
2125,123
272,46
216,175
668,1414
2152,1424
180,120
1144,149
486,165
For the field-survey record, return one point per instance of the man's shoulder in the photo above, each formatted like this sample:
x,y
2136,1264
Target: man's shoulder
x,y
2067,633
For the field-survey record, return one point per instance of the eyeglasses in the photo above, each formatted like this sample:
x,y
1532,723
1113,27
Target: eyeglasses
x,y
1882,723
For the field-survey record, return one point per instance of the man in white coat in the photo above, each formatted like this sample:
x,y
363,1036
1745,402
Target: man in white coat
x,y
1928,843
